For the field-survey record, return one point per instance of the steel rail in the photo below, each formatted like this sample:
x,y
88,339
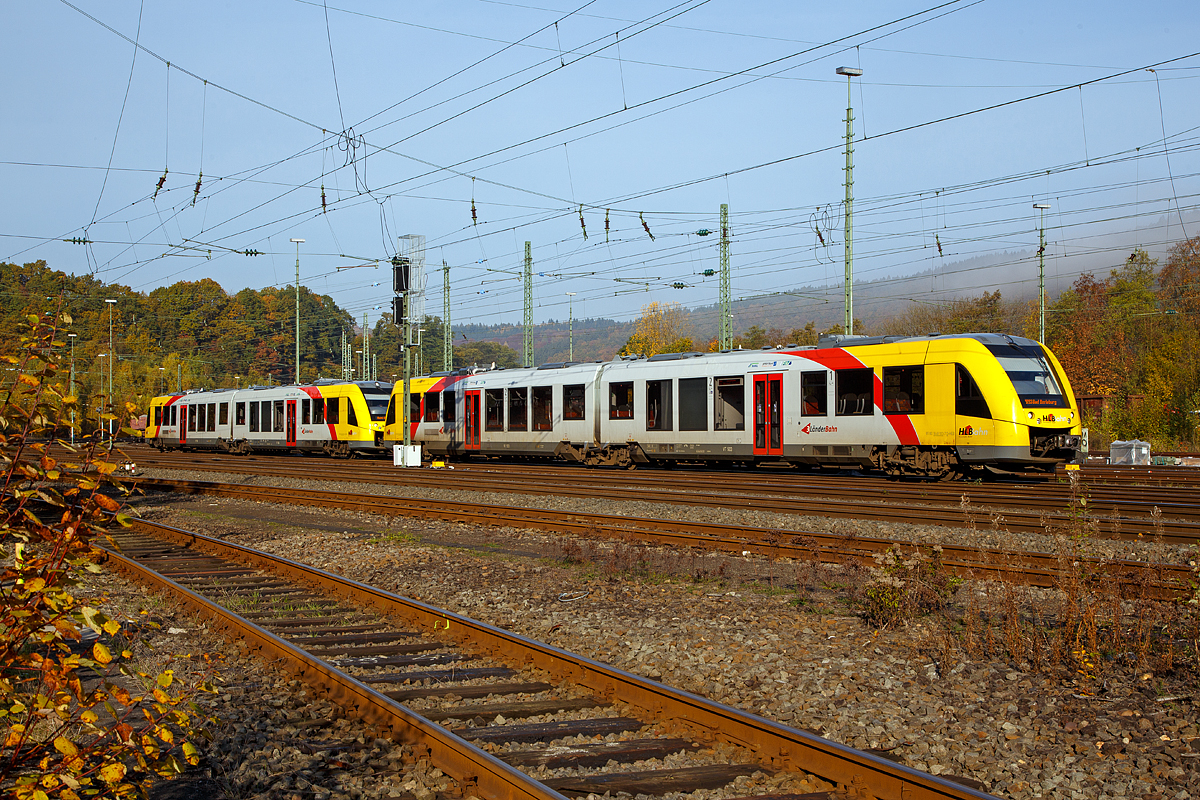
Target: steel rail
x,y
891,503
1161,581
495,779
778,746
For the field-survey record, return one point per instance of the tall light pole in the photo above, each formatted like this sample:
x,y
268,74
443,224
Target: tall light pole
x,y
100,410
162,380
297,242
570,326
72,337
849,72
111,362
1041,207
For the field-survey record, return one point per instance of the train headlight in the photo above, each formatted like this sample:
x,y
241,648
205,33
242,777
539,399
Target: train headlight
x,y
1031,415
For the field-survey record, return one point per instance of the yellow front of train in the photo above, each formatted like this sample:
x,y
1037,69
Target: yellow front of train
x,y
393,430
1014,405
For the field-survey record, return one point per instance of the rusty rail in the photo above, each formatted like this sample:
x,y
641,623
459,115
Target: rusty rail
x,y
1160,581
777,745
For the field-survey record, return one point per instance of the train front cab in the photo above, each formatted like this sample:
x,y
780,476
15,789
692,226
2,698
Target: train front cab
x,y
354,414
162,422
1013,408
424,401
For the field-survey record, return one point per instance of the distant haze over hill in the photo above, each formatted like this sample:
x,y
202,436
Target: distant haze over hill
x,y
1014,273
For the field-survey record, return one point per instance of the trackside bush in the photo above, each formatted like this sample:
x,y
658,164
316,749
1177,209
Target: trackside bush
x,y
60,739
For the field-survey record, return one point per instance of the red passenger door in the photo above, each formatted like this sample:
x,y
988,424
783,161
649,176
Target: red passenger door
x,y
183,424
768,415
471,419
289,429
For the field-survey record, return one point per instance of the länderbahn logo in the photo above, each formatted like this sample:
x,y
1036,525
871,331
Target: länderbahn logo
x,y
810,428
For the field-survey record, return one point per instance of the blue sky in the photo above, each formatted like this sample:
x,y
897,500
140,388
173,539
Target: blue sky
x,y
538,112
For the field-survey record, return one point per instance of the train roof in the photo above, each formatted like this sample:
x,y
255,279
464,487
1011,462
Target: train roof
x,y
825,342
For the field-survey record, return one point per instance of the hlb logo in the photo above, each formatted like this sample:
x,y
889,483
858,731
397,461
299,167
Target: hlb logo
x,y
971,430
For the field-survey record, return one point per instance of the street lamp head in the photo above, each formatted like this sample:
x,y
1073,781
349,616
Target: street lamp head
x,y
296,241
849,72
110,300
72,335
1041,206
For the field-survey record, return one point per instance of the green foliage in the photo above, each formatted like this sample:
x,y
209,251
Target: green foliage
x,y
1132,339
60,739
902,587
484,353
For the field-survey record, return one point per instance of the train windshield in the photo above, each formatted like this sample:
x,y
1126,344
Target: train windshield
x,y
377,404
1031,374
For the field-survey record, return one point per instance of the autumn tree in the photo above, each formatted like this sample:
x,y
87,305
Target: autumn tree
x,y
485,353
62,737
662,328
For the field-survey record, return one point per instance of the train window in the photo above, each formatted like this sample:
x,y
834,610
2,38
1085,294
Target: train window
x,y
333,407
518,409
239,413
352,418
968,400
855,392
414,406
693,404
319,411
543,408
1031,374
174,415
448,405
306,411
200,414
191,421
574,404
224,414
433,401
377,403
253,417
277,417
904,390
493,409
729,404
158,415
391,413
620,400
658,406
212,416
814,393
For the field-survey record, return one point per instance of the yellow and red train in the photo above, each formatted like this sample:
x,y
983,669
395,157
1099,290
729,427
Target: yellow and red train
x,y
932,406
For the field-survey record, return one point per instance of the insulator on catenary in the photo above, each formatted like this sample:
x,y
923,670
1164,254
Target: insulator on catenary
x,y
646,226
582,224
938,242
322,198
195,194
606,213
161,181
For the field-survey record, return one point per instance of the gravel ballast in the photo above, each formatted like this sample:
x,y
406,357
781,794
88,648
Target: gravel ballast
x,y
739,637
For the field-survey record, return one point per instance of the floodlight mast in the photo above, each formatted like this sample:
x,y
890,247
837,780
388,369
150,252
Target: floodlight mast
x,y
849,72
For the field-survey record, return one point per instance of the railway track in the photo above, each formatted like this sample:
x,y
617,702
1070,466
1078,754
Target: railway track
x,y
1115,512
1030,568
460,693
